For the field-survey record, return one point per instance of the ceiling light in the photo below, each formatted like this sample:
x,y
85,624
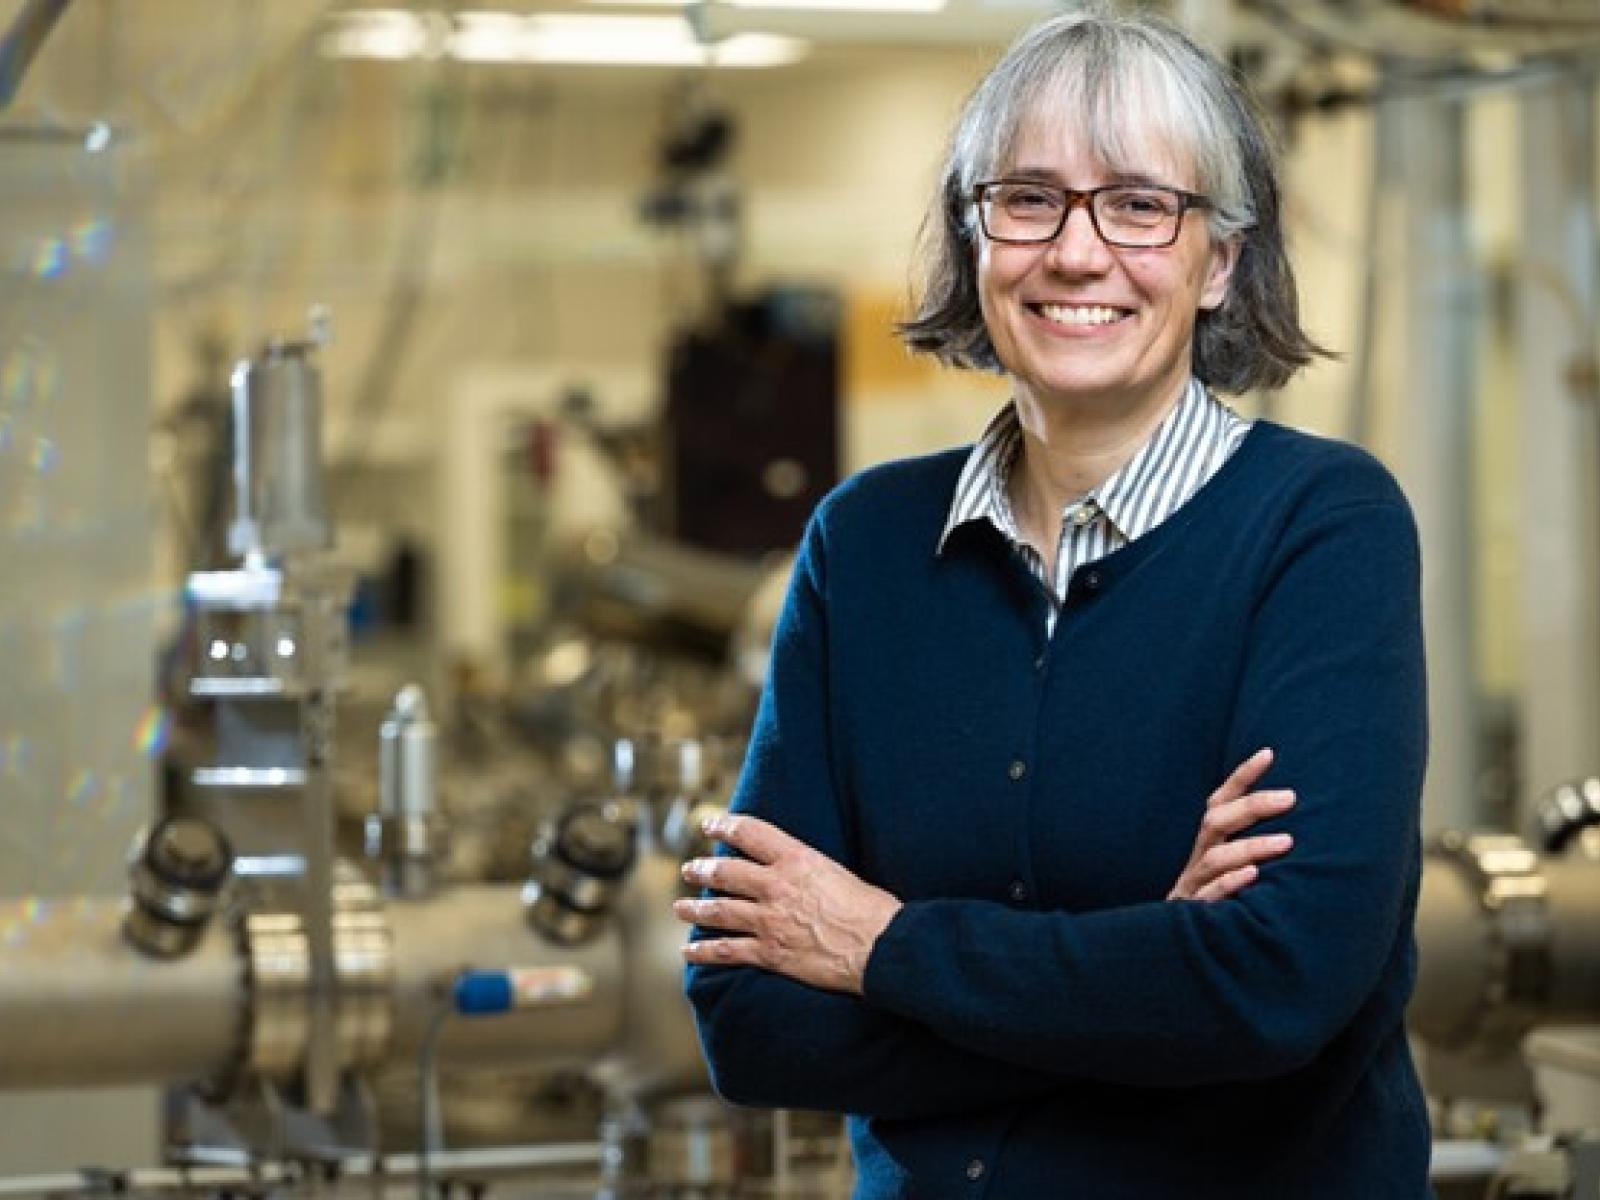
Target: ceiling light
x,y
875,6
568,38
387,33
861,6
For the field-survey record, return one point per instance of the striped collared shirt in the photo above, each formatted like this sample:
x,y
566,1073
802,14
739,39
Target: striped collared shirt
x,y
1187,448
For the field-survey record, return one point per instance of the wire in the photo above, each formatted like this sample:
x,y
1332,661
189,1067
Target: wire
x,y
431,1134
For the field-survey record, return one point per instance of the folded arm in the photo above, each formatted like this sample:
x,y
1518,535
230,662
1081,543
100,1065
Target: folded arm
x,y
1179,994
804,1041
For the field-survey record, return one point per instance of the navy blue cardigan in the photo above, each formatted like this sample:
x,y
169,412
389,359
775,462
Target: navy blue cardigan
x,y
1037,1022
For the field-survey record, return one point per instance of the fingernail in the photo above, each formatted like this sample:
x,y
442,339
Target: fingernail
x,y
715,826
694,870
1283,840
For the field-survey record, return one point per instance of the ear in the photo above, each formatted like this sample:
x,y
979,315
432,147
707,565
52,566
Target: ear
x,y
1219,271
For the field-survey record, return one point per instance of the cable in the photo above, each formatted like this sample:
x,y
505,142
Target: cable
x,y
431,1134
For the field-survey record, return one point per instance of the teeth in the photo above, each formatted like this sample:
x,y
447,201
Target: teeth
x,y
1063,314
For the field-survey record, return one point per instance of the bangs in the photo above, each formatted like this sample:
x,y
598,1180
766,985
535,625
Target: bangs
x,y
1139,108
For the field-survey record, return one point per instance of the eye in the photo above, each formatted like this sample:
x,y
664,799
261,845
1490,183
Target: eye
x,y
1138,204
1027,198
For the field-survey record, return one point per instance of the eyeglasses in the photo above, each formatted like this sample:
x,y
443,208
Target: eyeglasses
x,y
1134,216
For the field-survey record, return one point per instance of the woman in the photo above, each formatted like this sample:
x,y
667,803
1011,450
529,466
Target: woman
x,y
1007,678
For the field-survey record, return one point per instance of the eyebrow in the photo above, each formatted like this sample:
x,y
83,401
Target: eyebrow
x,y
1113,178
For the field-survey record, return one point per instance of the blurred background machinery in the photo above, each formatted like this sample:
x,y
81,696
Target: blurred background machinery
x,y
329,984
457,621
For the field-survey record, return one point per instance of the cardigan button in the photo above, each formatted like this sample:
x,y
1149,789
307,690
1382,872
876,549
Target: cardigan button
x,y
1018,891
1091,582
975,1169
1017,769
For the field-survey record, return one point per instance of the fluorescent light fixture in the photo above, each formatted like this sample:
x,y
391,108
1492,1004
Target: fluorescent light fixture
x,y
387,33
872,6
565,38
860,6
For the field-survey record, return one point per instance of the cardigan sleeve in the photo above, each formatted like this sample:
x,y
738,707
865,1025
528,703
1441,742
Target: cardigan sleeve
x,y
1257,986
769,1040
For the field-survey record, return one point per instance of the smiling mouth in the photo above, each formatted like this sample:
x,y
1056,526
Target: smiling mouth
x,y
1080,314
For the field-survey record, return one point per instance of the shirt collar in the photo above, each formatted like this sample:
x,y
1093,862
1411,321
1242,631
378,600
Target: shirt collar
x,y
1135,500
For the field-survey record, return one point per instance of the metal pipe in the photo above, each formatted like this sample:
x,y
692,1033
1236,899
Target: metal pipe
x,y
1507,940
79,1007
483,927
252,1177
1558,431
1440,318
402,834
22,42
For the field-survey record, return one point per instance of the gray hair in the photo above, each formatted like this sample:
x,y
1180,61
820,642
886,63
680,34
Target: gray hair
x,y
1132,80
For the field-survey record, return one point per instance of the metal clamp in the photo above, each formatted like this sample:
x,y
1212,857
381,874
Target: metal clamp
x,y
177,873
1566,811
578,872
278,955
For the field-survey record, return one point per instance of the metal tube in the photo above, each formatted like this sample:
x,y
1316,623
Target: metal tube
x,y
277,455
1453,941
1422,141
482,927
1474,990
1558,307
408,807
79,1007
22,41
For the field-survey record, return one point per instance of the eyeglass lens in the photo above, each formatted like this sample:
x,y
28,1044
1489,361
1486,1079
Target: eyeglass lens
x,y
1128,216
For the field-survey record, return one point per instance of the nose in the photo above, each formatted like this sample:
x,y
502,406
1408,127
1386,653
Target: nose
x,y
1078,248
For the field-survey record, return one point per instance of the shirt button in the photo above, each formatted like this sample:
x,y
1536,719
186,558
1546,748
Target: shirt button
x,y
1084,515
975,1169
1017,769
1091,581
1018,891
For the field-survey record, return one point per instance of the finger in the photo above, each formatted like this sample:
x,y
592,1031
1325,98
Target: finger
x,y
733,876
719,912
724,952
1235,816
1227,885
1244,777
760,840
1230,856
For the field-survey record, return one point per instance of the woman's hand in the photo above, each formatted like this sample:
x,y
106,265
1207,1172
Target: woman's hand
x,y
802,914
1218,868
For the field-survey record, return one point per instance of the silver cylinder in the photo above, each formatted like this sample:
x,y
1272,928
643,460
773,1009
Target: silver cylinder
x,y
656,1052
408,756
407,829
1507,940
482,927
79,1007
277,454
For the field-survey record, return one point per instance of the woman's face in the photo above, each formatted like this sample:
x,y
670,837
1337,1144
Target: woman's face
x,y
1082,324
